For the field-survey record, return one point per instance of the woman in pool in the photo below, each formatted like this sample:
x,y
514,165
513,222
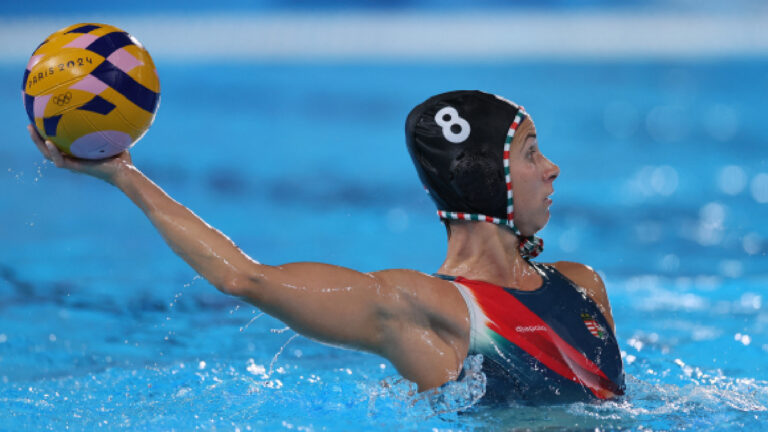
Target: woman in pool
x,y
545,330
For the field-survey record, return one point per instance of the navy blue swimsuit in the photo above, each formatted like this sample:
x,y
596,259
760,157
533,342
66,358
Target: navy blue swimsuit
x,y
550,345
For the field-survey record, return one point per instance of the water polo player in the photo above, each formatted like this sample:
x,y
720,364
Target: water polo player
x,y
545,330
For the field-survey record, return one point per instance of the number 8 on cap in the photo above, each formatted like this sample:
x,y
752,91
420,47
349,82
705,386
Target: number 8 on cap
x,y
450,120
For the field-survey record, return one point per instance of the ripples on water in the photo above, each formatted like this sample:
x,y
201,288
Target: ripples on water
x,y
274,380
224,396
86,345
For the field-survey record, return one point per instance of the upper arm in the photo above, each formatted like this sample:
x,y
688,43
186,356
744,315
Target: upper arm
x,y
330,303
416,321
341,305
585,277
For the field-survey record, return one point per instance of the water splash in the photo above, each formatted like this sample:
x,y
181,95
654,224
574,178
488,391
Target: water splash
x,y
282,348
398,396
39,170
257,316
462,394
192,282
18,176
653,403
175,300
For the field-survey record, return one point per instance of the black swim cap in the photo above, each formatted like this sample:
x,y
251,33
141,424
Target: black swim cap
x,y
459,142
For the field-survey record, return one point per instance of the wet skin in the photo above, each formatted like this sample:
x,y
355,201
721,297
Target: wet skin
x,y
418,322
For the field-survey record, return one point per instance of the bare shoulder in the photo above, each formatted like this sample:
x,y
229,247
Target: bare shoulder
x,y
421,290
584,276
427,301
581,274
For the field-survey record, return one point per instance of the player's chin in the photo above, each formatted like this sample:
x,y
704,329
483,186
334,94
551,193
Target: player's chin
x,y
530,229
537,225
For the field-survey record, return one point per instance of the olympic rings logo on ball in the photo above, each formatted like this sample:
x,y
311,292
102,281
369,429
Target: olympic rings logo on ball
x,y
62,99
455,128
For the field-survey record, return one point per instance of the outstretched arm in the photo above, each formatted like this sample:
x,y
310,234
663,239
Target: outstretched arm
x,y
329,303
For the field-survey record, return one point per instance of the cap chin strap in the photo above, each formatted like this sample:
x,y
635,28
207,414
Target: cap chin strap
x,y
530,246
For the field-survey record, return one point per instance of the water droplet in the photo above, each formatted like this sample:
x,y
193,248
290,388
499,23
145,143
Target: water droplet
x,y
255,369
280,351
745,339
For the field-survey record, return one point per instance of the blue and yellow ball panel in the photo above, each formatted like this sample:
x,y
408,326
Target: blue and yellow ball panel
x,y
92,89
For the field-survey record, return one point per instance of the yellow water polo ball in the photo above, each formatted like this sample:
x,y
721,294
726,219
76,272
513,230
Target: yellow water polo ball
x,y
92,89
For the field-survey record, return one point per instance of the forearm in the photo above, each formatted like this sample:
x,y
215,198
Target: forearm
x,y
329,303
212,254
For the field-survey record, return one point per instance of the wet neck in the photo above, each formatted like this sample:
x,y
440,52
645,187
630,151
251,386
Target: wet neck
x,y
487,252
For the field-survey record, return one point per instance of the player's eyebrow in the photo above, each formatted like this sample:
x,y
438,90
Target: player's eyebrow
x,y
530,135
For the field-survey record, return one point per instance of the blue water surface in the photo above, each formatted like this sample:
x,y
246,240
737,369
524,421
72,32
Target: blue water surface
x,y
663,190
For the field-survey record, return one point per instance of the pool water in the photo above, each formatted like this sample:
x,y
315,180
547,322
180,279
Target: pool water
x,y
663,189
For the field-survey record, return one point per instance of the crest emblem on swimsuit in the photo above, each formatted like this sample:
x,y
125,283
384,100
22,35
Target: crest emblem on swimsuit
x,y
592,325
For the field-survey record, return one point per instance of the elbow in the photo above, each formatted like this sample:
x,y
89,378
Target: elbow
x,y
229,287
238,285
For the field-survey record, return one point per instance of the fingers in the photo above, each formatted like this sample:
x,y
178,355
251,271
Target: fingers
x,y
38,140
33,133
47,148
54,154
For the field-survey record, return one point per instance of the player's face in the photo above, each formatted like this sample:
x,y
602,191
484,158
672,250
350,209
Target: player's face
x,y
532,176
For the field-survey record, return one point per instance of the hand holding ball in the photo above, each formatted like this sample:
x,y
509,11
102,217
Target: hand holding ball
x,y
92,89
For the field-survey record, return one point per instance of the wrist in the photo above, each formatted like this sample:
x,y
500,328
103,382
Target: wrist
x,y
122,174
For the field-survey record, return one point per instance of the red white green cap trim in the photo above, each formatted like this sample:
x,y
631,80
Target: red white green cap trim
x,y
530,247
